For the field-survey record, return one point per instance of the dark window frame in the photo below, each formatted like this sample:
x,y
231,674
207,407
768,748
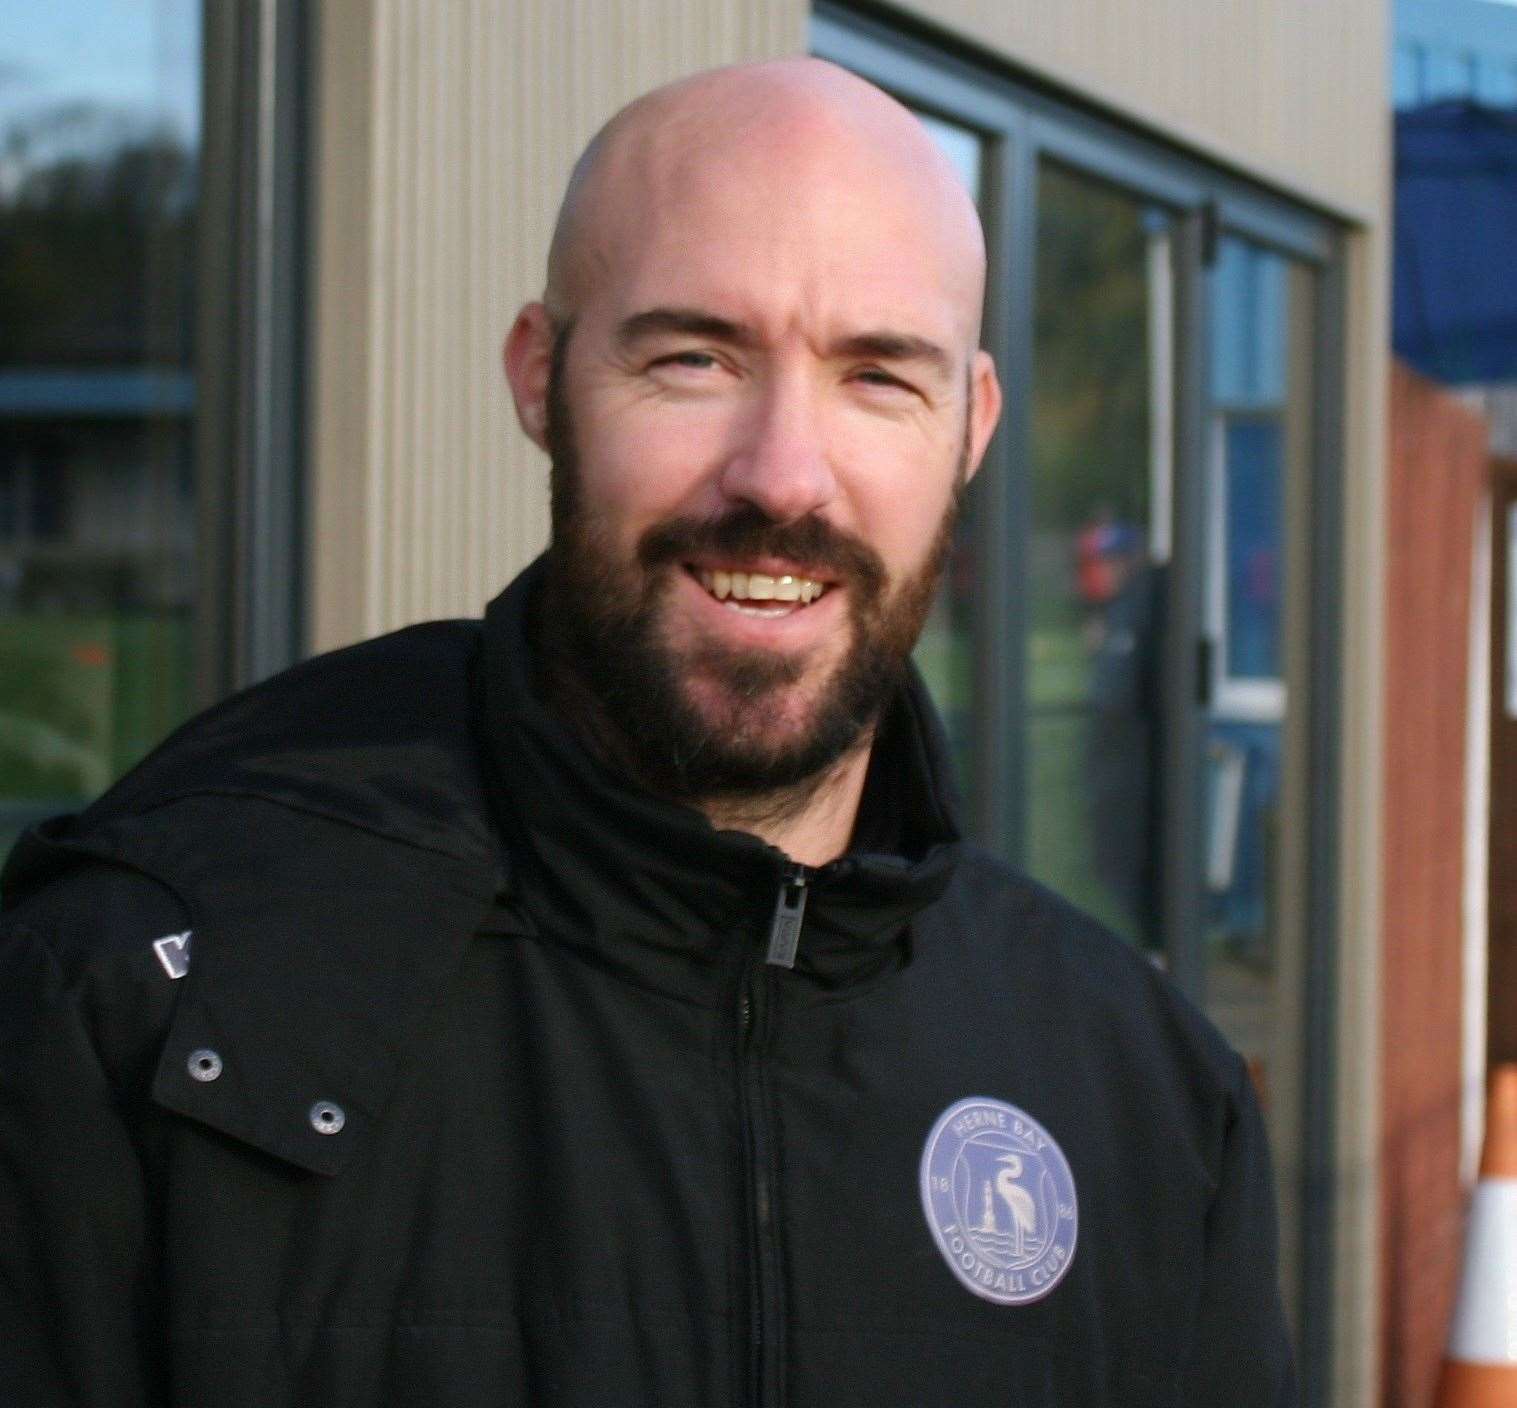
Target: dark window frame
x,y
252,340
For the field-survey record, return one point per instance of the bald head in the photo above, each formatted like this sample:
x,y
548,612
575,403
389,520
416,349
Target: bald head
x,y
789,129
771,264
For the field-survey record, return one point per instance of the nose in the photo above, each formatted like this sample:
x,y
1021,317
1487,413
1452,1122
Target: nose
x,y
780,464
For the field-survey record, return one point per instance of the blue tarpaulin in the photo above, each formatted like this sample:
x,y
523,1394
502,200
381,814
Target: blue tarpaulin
x,y
1455,299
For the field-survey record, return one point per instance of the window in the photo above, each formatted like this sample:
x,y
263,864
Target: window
x,y
100,129
148,477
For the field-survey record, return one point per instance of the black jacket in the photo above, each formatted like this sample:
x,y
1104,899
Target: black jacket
x,y
478,1088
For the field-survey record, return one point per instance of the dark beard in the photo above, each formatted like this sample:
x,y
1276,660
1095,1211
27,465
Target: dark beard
x,y
611,672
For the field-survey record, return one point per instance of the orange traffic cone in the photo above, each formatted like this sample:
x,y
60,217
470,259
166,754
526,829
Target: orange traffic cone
x,y
1480,1369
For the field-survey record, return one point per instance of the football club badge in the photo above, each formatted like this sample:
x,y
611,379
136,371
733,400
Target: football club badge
x,y
1000,1201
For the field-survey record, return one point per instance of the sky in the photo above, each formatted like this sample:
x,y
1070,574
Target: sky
x,y
138,57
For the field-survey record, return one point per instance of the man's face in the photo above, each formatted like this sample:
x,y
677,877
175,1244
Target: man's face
x,y
713,717
759,424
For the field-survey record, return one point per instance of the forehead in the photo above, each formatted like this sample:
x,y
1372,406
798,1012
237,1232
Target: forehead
x,y
784,229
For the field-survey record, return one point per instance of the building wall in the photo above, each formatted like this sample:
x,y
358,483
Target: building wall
x,y
446,134
1277,87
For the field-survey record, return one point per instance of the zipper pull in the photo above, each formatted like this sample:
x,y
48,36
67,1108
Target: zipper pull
x,y
785,931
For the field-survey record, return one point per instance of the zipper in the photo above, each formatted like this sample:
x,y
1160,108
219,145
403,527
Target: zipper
x,y
766,1305
789,911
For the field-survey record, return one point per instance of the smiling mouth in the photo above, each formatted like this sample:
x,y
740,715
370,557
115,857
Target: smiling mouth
x,y
759,593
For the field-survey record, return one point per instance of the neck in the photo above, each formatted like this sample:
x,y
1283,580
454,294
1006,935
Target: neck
x,y
812,824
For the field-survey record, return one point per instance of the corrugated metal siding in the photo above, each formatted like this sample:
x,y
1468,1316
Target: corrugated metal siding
x,y
1281,89
434,228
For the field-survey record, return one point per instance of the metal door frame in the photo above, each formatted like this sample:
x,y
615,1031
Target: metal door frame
x,y
251,341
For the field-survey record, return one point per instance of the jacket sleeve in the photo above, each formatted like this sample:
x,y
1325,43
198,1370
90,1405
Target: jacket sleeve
x,y
1241,1352
78,1299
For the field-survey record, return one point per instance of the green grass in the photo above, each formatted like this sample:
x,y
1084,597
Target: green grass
x,y
1059,849
82,698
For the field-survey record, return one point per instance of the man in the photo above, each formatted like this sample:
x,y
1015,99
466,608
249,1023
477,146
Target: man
x,y
598,1005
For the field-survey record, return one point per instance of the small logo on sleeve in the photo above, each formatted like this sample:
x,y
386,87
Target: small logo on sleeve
x,y
1000,1201
173,952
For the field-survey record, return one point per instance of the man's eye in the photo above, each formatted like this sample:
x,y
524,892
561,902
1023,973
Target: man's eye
x,y
695,361
873,376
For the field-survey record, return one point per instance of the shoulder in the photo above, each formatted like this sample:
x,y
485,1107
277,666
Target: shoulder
x,y
96,913
332,822
1021,937
344,713
90,958
323,769
378,737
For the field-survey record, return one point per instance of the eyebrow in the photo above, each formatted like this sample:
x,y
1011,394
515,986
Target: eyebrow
x,y
878,344
895,347
655,322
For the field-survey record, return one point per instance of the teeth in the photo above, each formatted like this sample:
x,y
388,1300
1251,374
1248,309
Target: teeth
x,y
759,586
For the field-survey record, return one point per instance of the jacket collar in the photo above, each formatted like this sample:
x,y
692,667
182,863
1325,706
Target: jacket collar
x,y
654,891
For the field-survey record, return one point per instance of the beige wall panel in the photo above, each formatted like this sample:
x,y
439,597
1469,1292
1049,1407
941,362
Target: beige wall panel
x,y
1280,87
1356,1258
446,133
339,447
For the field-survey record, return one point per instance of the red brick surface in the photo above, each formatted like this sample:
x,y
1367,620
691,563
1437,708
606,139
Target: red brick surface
x,y
1437,470
1502,1010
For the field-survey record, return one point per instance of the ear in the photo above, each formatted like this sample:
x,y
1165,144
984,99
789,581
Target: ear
x,y
528,358
984,407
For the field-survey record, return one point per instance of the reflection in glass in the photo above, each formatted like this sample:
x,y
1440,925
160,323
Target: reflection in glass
x,y
1253,527
961,146
1260,441
1255,860
99,137
1101,467
944,654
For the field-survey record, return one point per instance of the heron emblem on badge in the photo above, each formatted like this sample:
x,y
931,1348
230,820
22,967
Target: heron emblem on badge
x,y
1000,1201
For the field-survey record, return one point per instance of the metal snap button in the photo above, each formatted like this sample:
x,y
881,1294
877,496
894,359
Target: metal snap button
x,y
327,1118
204,1064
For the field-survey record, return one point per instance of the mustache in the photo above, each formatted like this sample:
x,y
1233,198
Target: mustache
x,y
748,532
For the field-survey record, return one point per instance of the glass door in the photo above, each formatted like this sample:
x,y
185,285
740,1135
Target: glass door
x,y
1168,629
1258,434
1101,465
945,652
